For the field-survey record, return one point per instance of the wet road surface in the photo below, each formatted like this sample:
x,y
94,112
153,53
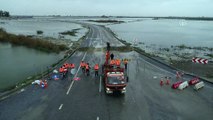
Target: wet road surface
x,y
85,99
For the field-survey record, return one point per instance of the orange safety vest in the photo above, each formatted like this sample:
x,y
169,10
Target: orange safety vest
x,y
118,62
96,67
72,65
66,65
61,70
87,67
82,64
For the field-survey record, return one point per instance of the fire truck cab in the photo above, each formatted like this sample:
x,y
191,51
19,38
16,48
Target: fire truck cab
x,y
115,80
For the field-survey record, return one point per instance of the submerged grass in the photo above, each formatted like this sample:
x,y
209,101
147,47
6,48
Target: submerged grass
x,y
35,43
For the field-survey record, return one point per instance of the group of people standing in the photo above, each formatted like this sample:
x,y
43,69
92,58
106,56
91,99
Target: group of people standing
x,y
86,68
117,62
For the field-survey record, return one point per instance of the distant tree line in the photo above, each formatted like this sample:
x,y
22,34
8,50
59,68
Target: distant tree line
x,y
4,13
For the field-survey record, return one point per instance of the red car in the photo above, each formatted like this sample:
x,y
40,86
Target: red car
x,y
194,81
176,85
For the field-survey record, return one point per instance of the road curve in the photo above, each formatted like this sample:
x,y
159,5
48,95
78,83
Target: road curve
x,y
85,99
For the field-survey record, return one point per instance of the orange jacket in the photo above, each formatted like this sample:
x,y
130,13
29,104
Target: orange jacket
x,y
87,67
61,70
118,62
72,65
66,65
112,62
82,64
96,67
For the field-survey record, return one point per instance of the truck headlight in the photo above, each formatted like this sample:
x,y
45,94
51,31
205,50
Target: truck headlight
x,y
107,89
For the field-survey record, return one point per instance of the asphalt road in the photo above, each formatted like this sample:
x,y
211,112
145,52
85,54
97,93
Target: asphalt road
x,y
86,100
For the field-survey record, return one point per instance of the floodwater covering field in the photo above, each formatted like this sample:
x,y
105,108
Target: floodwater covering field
x,y
17,62
50,27
162,36
165,33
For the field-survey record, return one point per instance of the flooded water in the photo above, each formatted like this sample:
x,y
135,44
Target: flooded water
x,y
167,33
18,63
50,27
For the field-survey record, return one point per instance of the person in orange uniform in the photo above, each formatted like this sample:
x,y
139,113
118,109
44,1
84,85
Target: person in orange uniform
x,y
72,65
87,69
107,56
61,70
118,63
83,65
125,63
96,67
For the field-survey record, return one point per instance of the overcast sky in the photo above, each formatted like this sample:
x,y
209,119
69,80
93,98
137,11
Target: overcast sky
x,y
109,7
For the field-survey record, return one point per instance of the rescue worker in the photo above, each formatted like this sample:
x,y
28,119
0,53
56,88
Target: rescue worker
x,y
107,56
83,65
112,62
61,70
66,65
96,67
72,65
112,56
87,69
125,63
118,63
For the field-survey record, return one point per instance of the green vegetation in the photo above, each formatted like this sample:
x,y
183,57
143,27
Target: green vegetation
x,y
106,21
71,33
4,13
37,44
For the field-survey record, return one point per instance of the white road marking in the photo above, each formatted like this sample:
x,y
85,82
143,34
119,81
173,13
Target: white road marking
x,y
75,75
100,85
60,107
97,118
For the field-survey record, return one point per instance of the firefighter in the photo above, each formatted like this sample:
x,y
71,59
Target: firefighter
x,y
83,65
118,63
61,70
125,63
96,67
107,56
112,62
112,56
87,69
72,65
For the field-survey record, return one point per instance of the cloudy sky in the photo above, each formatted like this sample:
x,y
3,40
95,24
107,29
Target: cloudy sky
x,y
109,7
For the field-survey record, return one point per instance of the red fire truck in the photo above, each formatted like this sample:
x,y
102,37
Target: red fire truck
x,y
115,77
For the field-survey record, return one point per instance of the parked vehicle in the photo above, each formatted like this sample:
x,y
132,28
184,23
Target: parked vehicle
x,y
183,85
193,81
199,85
176,85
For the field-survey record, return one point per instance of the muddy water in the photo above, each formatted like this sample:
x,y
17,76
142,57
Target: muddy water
x,y
18,63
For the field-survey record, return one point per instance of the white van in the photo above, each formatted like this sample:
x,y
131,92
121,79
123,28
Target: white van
x,y
199,85
183,85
